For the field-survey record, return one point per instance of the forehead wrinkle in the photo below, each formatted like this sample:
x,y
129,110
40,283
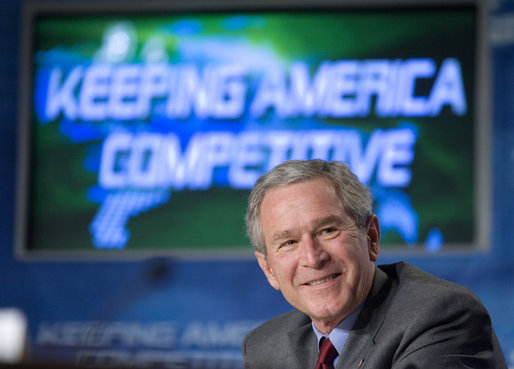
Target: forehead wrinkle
x,y
330,219
315,224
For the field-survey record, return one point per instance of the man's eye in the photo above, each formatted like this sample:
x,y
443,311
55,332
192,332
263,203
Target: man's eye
x,y
328,232
287,243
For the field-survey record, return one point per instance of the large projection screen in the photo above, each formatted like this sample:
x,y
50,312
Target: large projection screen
x,y
143,127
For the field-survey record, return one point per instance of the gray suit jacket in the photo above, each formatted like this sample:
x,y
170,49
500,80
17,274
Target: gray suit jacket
x,y
410,320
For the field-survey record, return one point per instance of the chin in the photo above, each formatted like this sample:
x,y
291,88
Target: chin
x,y
328,313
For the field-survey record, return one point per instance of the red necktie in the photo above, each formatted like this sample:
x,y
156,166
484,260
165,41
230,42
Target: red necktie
x,y
327,354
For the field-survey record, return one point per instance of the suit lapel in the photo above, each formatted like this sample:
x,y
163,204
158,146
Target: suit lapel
x,y
361,339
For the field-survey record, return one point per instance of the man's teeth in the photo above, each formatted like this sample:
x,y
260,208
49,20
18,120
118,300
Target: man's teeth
x,y
319,281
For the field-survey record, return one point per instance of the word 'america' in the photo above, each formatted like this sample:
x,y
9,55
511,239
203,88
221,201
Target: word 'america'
x,y
337,89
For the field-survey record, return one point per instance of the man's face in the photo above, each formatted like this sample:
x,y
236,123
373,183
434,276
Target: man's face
x,y
317,256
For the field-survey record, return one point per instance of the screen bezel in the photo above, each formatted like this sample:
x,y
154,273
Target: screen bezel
x,y
32,10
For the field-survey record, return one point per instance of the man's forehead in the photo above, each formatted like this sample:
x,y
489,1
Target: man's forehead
x,y
325,185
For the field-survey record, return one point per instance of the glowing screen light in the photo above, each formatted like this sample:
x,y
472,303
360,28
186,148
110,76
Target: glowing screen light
x,y
148,130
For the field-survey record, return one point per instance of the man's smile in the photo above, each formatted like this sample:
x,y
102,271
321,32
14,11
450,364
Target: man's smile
x,y
322,280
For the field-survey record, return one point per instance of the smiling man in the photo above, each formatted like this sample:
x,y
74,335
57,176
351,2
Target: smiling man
x,y
317,240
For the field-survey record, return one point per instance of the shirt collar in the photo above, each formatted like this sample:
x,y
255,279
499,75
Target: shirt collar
x,y
340,333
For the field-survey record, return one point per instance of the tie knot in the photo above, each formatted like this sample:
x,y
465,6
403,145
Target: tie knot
x,y
327,352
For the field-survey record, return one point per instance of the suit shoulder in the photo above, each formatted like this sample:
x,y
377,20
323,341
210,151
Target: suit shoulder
x,y
424,289
267,337
410,275
279,325
432,317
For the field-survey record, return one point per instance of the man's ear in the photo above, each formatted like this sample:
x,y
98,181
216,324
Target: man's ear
x,y
373,236
268,272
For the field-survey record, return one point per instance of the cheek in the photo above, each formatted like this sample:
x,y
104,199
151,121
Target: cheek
x,y
283,269
352,255
343,248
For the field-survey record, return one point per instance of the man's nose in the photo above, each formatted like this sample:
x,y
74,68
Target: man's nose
x,y
313,253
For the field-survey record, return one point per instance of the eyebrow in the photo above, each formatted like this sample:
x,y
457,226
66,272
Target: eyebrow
x,y
331,219
317,223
